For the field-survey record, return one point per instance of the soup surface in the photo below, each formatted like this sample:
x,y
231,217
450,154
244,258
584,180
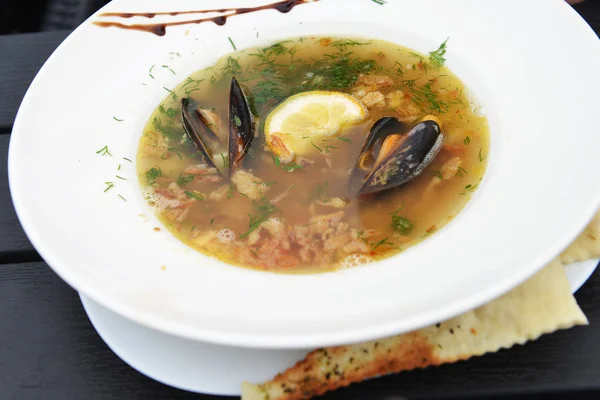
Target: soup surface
x,y
295,211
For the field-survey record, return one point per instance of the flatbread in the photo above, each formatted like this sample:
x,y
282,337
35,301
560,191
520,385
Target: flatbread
x,y
587,244
543,304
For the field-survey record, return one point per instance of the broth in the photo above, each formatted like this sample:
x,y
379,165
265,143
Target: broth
x,y
303,219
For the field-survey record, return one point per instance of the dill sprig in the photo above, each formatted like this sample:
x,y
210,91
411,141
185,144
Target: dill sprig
x,y
436,58
152,174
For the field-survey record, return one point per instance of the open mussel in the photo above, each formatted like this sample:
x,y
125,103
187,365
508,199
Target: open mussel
x,y
391,158
202,127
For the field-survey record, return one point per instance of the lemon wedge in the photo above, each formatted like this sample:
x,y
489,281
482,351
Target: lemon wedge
x,y
292,127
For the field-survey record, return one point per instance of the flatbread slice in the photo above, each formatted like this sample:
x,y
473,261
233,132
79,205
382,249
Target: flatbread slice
x,y
587,244
542,304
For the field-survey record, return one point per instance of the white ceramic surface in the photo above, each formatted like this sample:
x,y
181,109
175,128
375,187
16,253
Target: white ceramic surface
x,y
208,368
532,78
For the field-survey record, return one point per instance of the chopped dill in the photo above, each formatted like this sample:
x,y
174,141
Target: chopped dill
x,y
237,121
344,139
169,68
343,44
176,151
185,179
125,158
225,159
461,172
118,120
170,112
382,242
109,185
104,151
122,198
401,224
436,58
152,174
212,220
150,72
263,210
467,141
481,156
328,148
232,67
468,189
195,195
120,177
316,147
380,2
119,167
232,44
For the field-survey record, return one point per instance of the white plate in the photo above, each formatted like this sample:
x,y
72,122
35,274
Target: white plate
x,y
208,368
539,191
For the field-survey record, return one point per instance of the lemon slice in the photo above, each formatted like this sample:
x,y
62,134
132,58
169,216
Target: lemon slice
x,y
292,127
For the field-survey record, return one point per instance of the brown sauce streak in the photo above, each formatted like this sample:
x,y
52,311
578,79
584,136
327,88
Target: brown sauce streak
x,y
161,28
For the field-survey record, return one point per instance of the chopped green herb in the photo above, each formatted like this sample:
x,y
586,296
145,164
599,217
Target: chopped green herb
x,y
481,157
167,67
152,174
467,141
436,58
316,147
380,2
120,177
212,220
254,253
174,150
185,179
461,172
225,159
469,189
237,120
195,195
109,185
118,120
263,211
344,139
150,72
170,112
122,198
276,161
104,151
232,44
401,224
382,242
124,158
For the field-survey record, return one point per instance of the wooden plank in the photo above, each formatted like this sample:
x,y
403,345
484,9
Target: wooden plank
x,y
21,58
50,350
14,245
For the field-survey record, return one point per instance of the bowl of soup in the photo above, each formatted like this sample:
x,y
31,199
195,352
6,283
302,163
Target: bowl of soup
x,y
304,173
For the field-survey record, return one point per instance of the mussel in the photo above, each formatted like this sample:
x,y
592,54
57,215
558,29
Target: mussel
x,y
202,127
390,157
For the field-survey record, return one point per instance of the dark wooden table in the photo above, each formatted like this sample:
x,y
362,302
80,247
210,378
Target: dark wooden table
x,y
49,350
